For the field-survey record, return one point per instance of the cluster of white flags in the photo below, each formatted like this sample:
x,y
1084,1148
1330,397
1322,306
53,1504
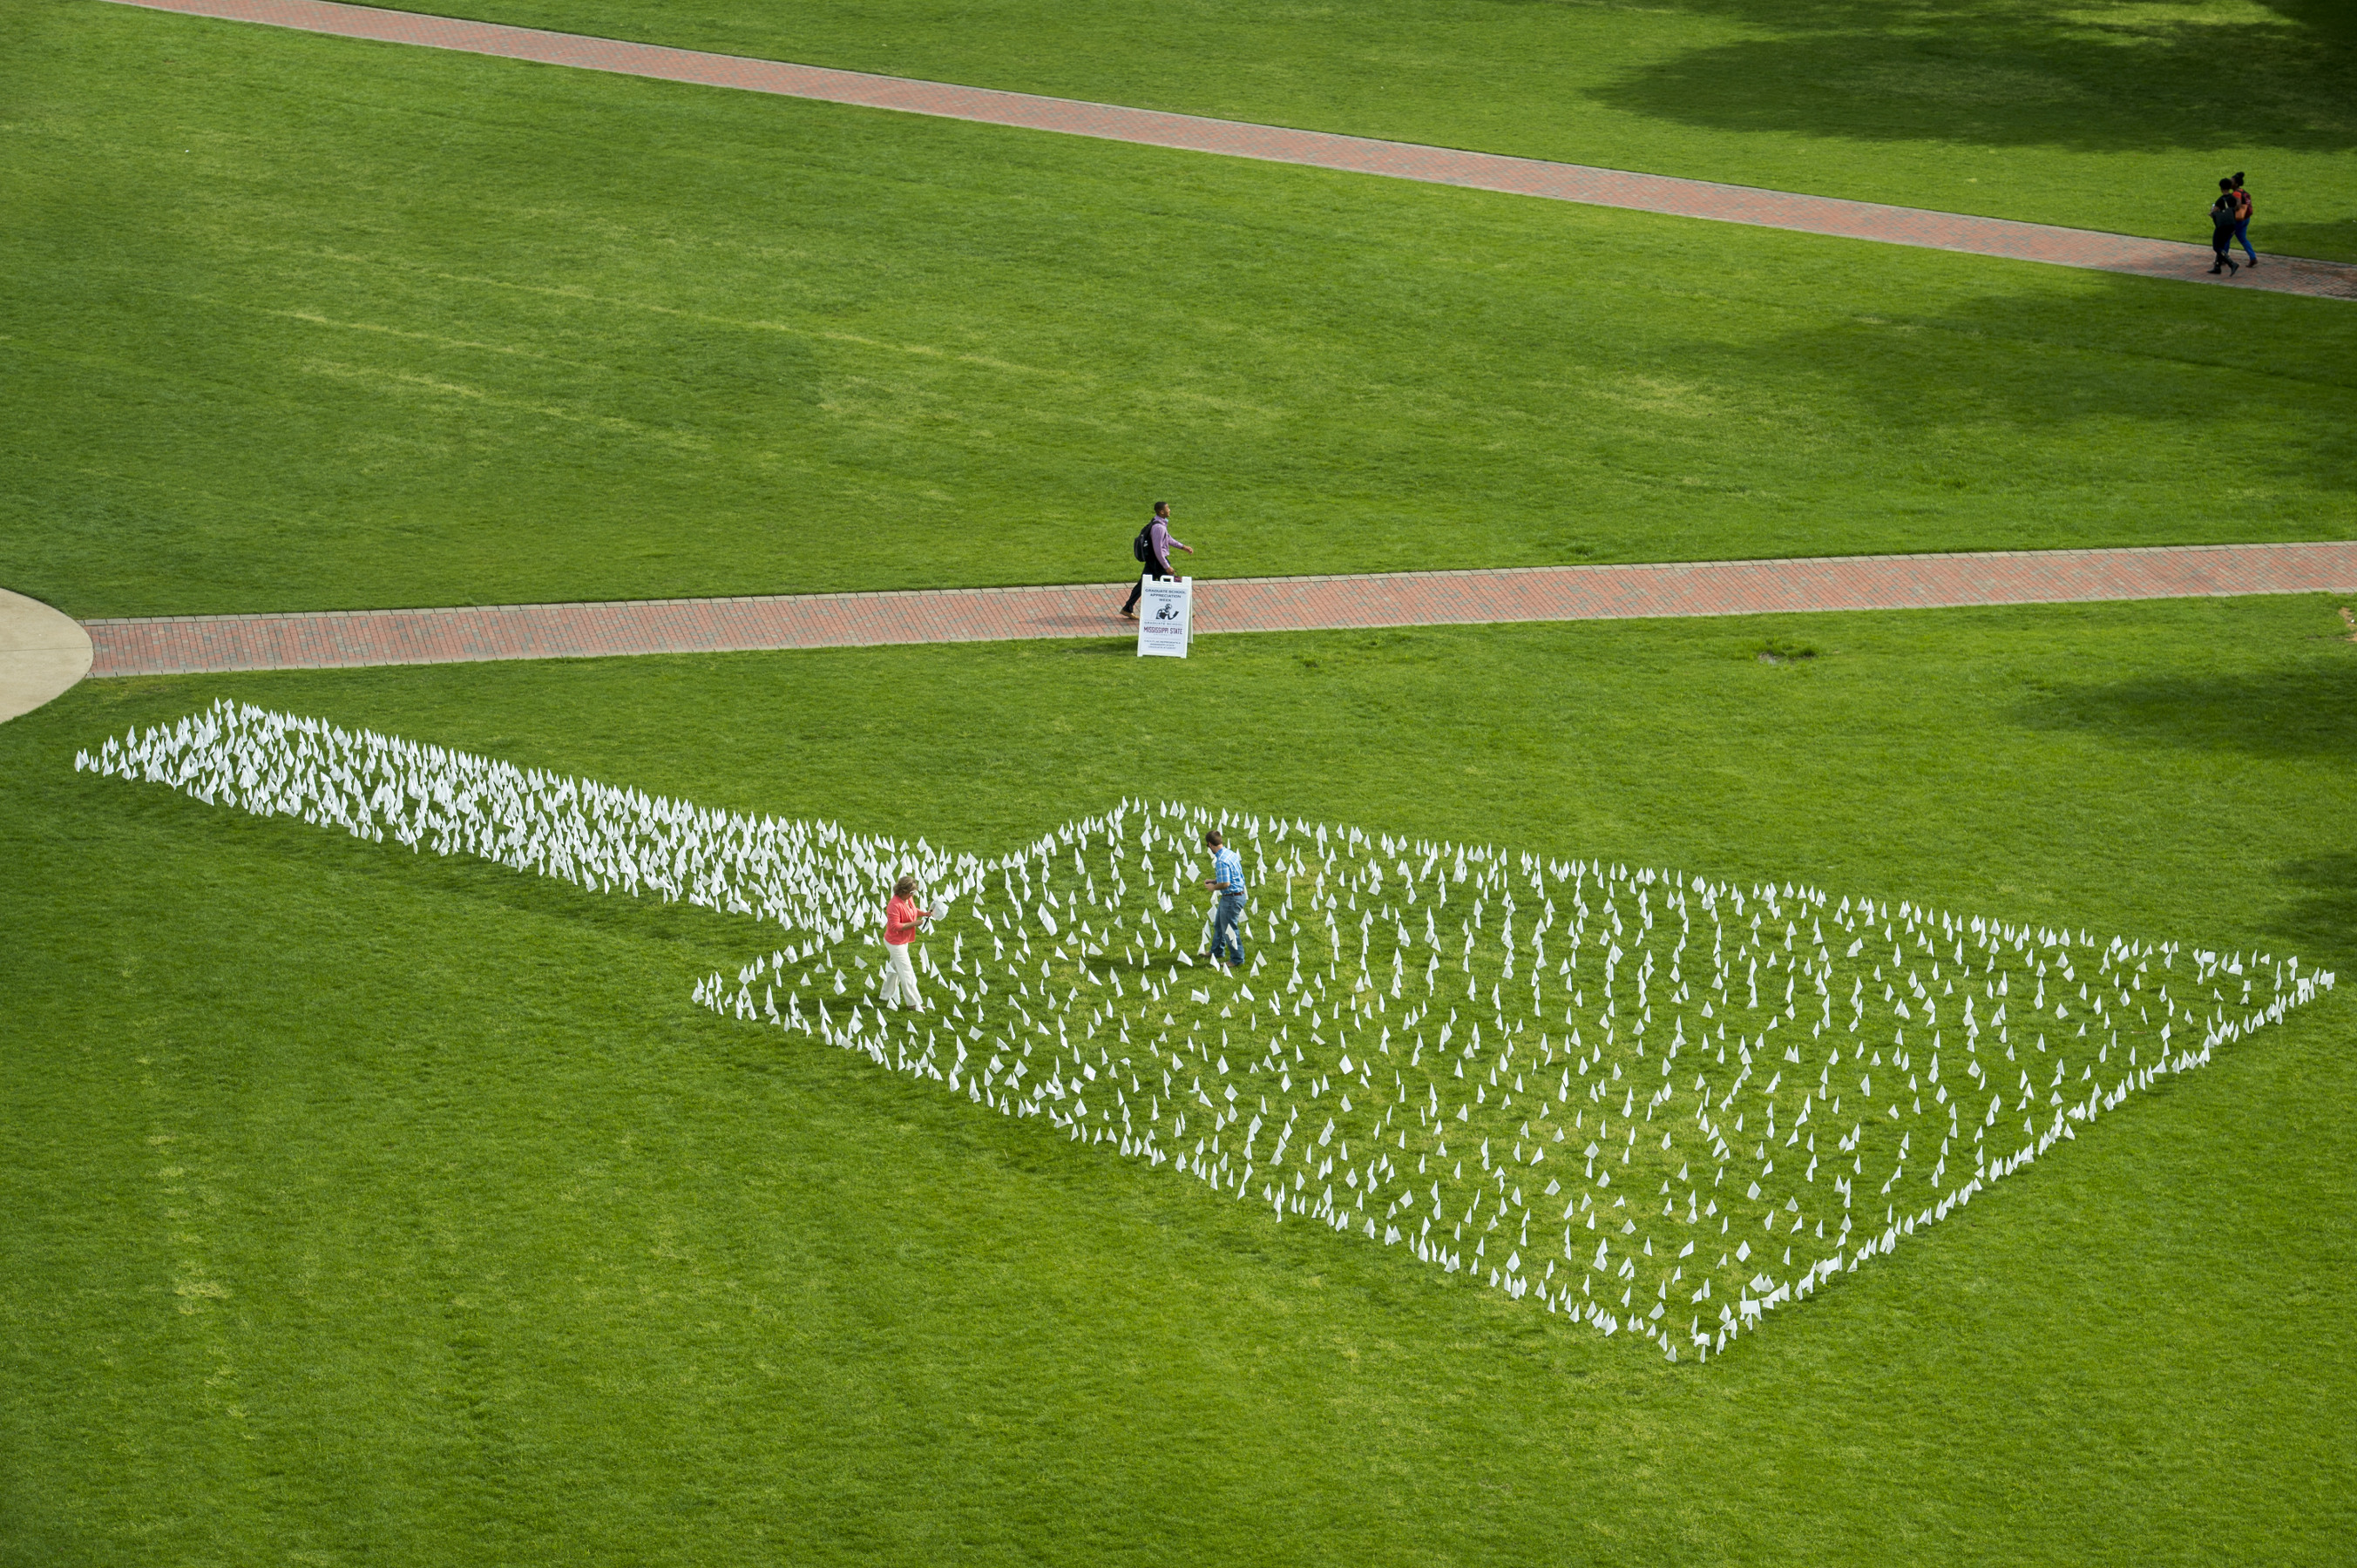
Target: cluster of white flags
x,y
1434,1047
806,876
1440,1047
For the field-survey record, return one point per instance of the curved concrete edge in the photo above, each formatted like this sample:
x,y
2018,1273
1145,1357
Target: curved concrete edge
x,y
43,654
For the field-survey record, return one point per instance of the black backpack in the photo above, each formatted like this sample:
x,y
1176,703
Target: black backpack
x,y
1143,547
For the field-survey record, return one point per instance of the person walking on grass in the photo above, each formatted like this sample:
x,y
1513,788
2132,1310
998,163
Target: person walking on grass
x,y
1152,548
2221,230
1227,880
2242,219
900,919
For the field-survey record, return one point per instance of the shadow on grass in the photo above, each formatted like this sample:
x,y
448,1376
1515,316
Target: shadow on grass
x,y
2332,20
2104,377
2010,73
2321,920
2296,711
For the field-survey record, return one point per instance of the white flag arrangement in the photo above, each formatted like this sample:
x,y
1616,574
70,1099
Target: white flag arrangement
x,y
811,876
1452,1066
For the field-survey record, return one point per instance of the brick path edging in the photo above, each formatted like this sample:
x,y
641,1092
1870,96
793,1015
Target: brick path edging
x,y
351,639
1400,160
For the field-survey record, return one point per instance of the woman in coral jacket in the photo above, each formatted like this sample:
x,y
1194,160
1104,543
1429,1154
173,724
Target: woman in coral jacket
x,y
901,916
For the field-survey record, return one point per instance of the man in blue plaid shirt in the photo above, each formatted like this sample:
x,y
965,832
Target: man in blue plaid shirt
x,y
1228,881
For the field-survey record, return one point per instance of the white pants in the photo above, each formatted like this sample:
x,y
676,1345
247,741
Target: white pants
x,y
900,978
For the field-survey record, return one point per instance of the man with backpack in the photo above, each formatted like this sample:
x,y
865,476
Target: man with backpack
x,y
1152,547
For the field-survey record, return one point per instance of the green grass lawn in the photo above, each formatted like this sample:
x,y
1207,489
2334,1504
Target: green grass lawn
x,y
2116,114
363,1203
298,322
1066,988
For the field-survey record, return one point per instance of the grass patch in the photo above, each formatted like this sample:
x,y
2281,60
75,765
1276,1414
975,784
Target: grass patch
x,y
352,325
2117,114
359,1194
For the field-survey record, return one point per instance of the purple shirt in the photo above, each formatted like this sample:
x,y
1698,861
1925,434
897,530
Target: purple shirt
x,y
1159,543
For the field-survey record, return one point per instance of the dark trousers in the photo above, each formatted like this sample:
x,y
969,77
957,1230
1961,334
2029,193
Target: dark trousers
x,y
2222,240
1153,568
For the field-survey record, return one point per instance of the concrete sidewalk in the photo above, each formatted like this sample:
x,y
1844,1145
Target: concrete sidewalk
x,y
42,653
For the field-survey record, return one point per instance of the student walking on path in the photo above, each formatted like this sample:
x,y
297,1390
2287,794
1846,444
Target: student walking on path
x,y
2242,219
900,917
1153,548
1228,881
2221,230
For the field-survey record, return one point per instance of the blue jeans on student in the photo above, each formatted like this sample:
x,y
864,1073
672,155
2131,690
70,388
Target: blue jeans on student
x,y
2243,233
1224,944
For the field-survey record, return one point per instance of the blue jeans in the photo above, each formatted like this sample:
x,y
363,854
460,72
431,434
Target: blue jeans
x,y
1224,944
2243,233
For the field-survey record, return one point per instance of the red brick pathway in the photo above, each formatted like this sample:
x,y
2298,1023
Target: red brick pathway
x,y
1486,171
188,644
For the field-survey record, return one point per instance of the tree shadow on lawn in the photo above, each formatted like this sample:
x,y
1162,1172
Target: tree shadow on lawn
x,y
2321,920
2031,390
2334,21
2016,73
2293,711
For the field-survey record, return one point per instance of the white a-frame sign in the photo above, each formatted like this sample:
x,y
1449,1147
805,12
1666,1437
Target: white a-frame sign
x,y
1165,612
